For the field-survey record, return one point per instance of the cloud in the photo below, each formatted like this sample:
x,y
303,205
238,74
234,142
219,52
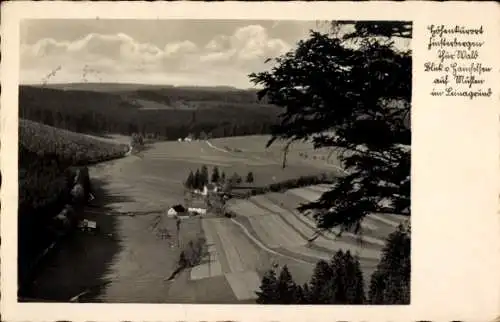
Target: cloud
x,y
120,56
249,43
180,48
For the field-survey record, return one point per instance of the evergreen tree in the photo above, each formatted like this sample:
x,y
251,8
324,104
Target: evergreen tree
x,y
347,285
268,289
390,283
356,288
357,99
319,290
250,178
190,182
305,294
198,182
223,177
286,288
235,179
215,175
204,175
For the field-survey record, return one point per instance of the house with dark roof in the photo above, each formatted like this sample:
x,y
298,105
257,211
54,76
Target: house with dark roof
x,y
176,210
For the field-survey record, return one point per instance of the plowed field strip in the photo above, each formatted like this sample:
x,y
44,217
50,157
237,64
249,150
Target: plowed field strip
x,y
241,252
301,228
244,284
264,247
310,194
367,251
306,220
211,231
247,209
285,235
371,226
263,233
305,194
332,245
318,189
231,252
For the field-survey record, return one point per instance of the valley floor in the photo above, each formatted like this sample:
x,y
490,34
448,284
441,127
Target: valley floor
x,y
136,249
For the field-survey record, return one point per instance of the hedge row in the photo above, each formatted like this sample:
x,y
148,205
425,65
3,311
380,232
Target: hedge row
x,y
303,181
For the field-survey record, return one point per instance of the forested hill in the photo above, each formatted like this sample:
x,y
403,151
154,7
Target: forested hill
x,y
165,112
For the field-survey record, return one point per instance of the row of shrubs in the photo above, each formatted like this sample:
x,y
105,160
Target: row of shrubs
x,y
303,181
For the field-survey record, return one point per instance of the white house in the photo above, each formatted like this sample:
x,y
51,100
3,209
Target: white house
x,y
179,139
187,139
199,211
176,210
210,188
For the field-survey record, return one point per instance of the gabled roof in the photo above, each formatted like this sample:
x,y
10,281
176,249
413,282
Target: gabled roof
x,y
179,208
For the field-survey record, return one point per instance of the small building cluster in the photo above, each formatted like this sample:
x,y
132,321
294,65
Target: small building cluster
x,y
188,138
79,195
181,211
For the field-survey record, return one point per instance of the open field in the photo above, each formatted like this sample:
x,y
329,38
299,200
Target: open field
x,y
171,162
136,260
300,153
276,222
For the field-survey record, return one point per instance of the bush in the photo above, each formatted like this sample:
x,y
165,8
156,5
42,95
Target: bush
x,y
294,183
250,177
193,253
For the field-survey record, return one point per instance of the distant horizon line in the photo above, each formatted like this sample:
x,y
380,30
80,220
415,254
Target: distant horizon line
x,y
138,84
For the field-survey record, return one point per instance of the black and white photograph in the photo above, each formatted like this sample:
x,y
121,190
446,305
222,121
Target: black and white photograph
x,y
214,161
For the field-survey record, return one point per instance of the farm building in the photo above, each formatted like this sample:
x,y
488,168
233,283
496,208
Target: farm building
x,y
176,210
199,211
210,188
87,225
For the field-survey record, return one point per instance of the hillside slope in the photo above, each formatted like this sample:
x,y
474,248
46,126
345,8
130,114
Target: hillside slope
x,y
162,112
46,152
45,155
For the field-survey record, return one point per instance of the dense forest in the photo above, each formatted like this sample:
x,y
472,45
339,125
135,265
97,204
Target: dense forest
x,y
183,111
47,157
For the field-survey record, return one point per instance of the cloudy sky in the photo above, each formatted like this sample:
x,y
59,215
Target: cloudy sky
x,y
177,52
174,52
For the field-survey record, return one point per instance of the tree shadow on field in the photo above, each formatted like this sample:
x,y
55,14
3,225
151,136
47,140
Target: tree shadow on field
x,y
77,271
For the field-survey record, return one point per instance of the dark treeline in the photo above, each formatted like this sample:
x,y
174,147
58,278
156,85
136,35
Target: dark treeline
x,y
168,93
199,178
47,161
341,281
101,113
